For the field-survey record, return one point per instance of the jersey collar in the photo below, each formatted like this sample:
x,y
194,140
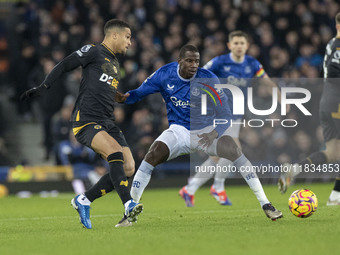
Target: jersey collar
x,y
179,76
108,49
231,58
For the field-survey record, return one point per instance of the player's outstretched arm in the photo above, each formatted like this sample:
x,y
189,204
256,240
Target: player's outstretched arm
x,y
150,86
270,85
69,63
34,92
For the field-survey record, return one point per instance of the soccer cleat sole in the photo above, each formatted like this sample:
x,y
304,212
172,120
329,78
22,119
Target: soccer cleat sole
x,y
138,209
123,223
274,218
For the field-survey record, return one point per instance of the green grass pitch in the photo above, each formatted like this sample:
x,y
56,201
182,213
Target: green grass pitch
x,y
51,226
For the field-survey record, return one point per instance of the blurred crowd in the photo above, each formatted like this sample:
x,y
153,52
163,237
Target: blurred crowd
x,y
287,37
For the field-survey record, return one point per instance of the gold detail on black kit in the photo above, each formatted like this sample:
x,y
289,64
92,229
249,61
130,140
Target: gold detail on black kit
x,y
336,115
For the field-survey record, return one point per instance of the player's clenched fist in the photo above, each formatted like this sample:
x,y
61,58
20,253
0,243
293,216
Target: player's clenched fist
x,y
34,92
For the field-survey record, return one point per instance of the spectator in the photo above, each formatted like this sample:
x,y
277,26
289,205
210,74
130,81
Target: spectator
x,y
80,157
100,168
61,126
49,104
288,37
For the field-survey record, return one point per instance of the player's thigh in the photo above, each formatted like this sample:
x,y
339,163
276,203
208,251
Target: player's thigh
x,y
237,141
331,133
234,133
332,150
105,145
129,162
177,140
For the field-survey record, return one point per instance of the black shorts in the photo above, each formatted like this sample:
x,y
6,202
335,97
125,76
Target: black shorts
x,y
85,131
330,123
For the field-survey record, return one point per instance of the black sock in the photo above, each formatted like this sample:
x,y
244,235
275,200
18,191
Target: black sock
x,y
317,158
337,184
118,176
101,188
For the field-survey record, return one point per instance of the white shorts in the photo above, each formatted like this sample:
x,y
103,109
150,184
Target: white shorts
x,y
234,130
181,141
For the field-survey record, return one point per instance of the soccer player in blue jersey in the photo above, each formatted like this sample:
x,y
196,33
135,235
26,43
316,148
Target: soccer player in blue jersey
x,y
177,84
237,69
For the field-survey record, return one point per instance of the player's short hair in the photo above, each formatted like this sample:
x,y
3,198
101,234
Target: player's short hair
x,y
185,48
337,19
237,33
112,23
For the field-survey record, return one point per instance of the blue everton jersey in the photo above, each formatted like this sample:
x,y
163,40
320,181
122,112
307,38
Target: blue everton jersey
x,y
235,73
183,97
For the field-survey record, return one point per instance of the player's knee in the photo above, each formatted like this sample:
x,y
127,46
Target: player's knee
x,y
332,155
227,148
332,150
158,153
153,157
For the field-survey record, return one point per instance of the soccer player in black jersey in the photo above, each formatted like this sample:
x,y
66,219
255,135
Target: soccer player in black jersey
x,y
329,117
93,118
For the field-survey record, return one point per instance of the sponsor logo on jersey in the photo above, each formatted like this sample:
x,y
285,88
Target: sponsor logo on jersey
x,y
86,48
125,183
195,91
97,126
180,103
227,68
241,82
247,69
329,49
169,87
336,57
109,80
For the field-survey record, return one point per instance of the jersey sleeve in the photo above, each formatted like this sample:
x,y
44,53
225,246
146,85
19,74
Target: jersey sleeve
x,y
333,65
258,68
86,54
212,65
150,86
68,64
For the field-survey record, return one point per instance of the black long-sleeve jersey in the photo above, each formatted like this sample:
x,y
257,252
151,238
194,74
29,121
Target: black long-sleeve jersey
x,y
330,99
99,83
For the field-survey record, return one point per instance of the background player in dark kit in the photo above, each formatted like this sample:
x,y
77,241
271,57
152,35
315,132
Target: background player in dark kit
x,y
329,118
